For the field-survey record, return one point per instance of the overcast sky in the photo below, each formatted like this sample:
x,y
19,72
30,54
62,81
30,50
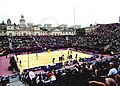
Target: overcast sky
x,y
61,11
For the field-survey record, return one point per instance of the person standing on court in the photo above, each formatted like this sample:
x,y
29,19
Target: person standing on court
x,y
53,60
20,62
36,55
76,56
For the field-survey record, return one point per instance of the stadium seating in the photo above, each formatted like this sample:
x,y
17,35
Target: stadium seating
x,y
79,75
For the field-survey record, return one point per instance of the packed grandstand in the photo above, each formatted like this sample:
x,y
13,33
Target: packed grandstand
x,y
105,71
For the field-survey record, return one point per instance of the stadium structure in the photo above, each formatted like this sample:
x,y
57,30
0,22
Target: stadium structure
x,y
32,55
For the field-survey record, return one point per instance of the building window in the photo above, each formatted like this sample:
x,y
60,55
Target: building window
x,y
36,34
10,34
24,34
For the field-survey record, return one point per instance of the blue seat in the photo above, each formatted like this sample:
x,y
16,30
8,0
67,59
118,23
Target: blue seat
x,y
57,67
49,69
37,68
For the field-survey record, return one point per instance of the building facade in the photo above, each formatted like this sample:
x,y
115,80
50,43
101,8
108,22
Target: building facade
x,y
23,29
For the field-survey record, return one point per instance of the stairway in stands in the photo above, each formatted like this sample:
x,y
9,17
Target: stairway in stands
x,y
10,42
35,41
14,81
17,83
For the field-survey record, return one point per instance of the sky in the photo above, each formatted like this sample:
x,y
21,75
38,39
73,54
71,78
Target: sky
x,y
59,12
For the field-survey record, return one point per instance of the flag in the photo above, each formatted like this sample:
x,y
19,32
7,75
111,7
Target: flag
x,y
48,51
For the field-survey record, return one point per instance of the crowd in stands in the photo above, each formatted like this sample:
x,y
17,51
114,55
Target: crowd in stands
x,y
105,72
105,34
107,29
3,42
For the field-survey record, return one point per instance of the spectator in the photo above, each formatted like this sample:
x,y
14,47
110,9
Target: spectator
x,y
112,70
110,82
119,68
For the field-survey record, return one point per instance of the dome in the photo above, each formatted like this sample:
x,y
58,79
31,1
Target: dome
x,y
9,22
22,18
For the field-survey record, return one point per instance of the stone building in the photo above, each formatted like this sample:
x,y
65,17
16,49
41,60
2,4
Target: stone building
x,y
23,29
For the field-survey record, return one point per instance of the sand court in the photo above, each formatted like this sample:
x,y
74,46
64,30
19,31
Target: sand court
x,y
45,58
